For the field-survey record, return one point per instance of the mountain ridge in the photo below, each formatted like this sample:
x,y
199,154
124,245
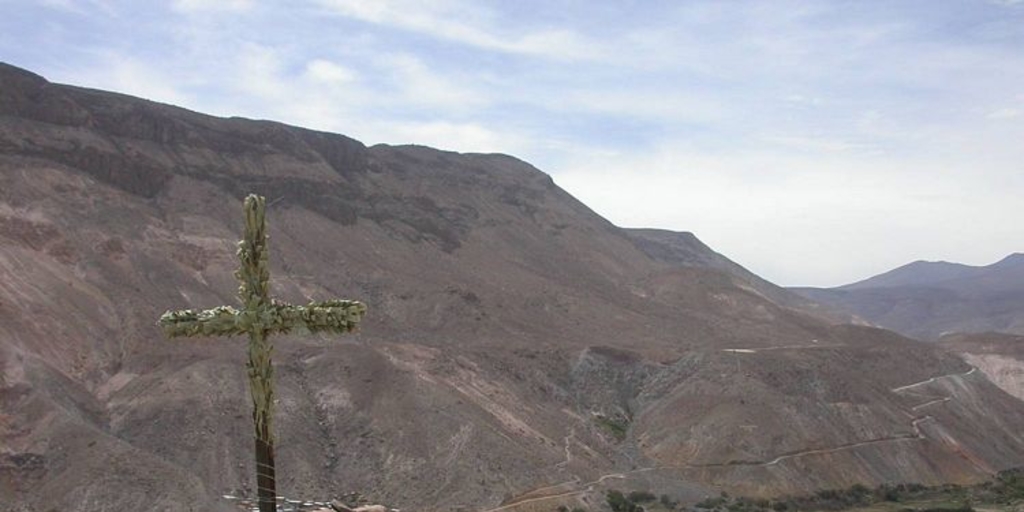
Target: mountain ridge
x,y
515,339
928,300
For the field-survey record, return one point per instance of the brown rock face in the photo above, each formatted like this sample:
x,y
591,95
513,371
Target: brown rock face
x,y
999,356
519,348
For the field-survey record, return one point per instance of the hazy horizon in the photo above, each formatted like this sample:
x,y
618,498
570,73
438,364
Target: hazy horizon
x,y
815,143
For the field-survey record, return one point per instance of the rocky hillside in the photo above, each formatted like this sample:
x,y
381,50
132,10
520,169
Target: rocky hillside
x,y
927,300
1000,356
519,349
686,250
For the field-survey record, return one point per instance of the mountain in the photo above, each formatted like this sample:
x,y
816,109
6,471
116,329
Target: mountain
x,y
518,349
686,250
999,355
926,300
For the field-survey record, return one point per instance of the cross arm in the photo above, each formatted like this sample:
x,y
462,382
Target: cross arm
x,y
219,321
331,316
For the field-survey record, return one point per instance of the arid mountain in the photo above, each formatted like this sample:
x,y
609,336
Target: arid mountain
x,y
927,300
999,355
518,347
686,250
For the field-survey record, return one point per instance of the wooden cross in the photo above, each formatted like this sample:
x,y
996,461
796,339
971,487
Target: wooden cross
x,y
259,317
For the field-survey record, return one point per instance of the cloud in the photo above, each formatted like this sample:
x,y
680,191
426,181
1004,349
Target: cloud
x,y
327,72
792,217
259,71
463,137
1005,113
417,84
198,6
656,102
465,23
815,144
81,7
131,76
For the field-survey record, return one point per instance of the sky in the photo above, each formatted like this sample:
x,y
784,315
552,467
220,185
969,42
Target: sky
x,y
814,142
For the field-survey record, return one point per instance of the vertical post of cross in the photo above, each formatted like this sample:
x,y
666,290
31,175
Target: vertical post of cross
x,y
254,275
259,317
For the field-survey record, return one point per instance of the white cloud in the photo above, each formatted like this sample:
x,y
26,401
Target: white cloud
x,y
64,5
656,102
815,144
132,76
821,219
196,6
258,70
461,137
466,23
327,72
419,85
82,7
1005,113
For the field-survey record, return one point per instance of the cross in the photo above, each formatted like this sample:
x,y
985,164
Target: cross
x,y
259,317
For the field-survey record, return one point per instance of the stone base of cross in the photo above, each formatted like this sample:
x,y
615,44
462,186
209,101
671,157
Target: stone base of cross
x,y
259,317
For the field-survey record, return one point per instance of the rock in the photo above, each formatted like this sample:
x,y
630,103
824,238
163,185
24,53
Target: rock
x,y
372,508
339,506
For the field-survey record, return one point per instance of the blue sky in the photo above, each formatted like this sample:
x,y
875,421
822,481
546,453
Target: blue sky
x,y
816,143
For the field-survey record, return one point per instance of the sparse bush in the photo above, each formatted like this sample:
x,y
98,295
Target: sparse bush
x,y
667,502
622,503
616,427
887,493
827,495
710,503
641,497
964,508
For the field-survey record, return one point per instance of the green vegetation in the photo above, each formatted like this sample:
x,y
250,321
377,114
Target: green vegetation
x,y
563,508
641,497
667,502
616,427
712,503
622,503
1005,492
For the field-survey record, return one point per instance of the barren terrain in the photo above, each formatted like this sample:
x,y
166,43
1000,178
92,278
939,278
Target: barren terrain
x,y
517,347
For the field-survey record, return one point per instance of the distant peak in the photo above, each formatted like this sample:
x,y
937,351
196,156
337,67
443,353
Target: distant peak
x,y
934,263
1016,258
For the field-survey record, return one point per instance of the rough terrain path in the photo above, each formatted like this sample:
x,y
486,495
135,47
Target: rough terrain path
x,y
915,435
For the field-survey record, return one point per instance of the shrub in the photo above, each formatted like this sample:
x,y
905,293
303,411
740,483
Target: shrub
x,y
618,502
667,502
641,497
617,428
710,503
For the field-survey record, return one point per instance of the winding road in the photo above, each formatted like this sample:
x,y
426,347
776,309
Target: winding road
x,y
933,379
584,488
